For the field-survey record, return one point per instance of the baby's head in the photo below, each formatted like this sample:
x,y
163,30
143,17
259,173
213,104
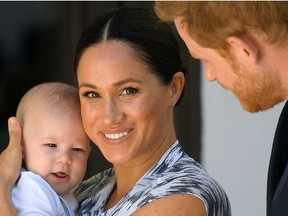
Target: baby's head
x,y
55,145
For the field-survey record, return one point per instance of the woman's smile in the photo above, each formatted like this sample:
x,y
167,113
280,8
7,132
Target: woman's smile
x,y
115,136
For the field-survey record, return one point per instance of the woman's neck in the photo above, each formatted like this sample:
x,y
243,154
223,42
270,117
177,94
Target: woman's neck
x,y
127,175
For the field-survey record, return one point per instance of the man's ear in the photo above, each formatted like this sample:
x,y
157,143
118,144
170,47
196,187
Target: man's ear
x,y
244,49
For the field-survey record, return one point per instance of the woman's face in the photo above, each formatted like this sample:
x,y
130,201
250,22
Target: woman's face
x,y
126,111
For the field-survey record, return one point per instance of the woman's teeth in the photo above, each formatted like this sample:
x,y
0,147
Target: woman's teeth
x,y
116,136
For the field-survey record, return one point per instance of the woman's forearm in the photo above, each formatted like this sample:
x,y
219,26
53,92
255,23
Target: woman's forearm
x,y
6,205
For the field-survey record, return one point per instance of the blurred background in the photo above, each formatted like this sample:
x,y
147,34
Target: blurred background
x,y
37,43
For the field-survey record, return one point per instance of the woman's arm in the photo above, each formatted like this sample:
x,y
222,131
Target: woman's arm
x,y
10,165
6,205
179,204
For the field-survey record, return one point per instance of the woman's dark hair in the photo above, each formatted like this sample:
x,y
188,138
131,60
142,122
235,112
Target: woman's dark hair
x,y
152,39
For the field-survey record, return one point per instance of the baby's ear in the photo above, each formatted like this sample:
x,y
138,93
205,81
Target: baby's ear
x,y
244,49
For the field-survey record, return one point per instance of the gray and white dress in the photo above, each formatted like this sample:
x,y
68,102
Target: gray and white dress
x,y
174,173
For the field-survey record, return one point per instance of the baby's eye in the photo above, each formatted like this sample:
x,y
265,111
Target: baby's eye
x,y
51,145
130,90
77,149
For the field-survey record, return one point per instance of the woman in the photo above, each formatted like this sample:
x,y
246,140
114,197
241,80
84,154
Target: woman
x,y
130,77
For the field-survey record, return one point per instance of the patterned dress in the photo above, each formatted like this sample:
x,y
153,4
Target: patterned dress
x,y
174,173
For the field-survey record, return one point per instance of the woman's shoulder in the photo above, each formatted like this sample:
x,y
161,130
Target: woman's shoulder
x,y
177,169
186,176
176,174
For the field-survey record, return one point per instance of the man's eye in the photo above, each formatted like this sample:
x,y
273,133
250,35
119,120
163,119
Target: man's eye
x,y
130,90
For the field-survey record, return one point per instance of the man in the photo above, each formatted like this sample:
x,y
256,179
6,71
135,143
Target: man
x,y
244,47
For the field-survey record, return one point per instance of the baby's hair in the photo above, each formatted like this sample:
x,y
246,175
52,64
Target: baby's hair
x,y
59,96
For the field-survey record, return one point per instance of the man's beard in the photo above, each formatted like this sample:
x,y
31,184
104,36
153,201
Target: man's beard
x,y
257,91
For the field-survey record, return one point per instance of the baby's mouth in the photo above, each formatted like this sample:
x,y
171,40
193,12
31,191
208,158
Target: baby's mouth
x,y
60,175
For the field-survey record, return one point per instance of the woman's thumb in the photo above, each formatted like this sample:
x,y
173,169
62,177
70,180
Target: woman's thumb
x,y
14,133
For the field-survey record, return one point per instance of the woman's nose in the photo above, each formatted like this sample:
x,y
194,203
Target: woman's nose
x,y
112,112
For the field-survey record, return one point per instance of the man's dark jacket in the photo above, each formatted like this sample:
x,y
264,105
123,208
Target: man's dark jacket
x,y
277,187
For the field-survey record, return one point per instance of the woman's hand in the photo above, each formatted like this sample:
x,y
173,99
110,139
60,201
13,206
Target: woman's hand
x,y
10,165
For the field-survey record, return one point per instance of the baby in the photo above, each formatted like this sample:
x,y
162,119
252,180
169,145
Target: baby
x,y
55,150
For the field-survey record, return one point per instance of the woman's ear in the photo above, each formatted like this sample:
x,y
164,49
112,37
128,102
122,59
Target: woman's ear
x,y
177,85
244,49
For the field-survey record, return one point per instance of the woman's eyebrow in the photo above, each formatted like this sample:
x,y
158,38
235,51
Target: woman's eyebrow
x,y
87,85
129,80
114,84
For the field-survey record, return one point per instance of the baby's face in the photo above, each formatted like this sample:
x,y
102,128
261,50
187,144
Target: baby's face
x,y
57,148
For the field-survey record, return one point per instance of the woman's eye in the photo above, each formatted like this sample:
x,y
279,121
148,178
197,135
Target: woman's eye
x,y
129,90
91,95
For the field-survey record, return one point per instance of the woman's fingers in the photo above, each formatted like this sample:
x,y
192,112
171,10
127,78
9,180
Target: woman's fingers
x,y
11,157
